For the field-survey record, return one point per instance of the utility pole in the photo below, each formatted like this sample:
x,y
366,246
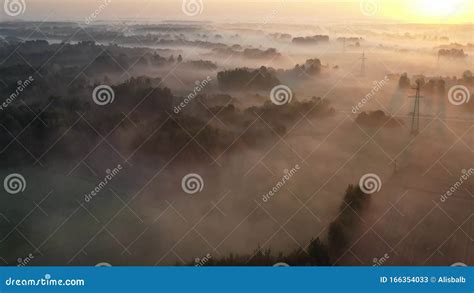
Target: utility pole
x,y
362,66
415,122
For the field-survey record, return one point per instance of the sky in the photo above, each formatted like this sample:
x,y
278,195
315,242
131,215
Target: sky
x,y
278,11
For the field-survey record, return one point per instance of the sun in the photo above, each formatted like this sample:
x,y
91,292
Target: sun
x,y
439,8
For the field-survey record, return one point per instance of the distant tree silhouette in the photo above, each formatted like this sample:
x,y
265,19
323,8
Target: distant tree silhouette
x,y
436,85
468,77
377,119
244,78
404,82
342,228
311,40
453,53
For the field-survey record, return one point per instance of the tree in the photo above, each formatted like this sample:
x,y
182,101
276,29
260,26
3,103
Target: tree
x,y
467,76
404,81
341,230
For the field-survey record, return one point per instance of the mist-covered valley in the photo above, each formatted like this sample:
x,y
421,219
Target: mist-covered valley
x,y
204,143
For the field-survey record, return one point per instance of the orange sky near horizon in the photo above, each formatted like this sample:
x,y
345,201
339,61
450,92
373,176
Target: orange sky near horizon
x,y
280,11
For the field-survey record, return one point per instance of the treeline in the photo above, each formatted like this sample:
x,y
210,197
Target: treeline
x,y
318,252
265,78
311,40
149,129
453,53
244,79
437,84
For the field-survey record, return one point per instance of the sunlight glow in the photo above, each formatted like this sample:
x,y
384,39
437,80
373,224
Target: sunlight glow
x,y
438,8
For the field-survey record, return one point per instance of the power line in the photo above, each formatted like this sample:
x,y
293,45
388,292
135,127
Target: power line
x,y
415,122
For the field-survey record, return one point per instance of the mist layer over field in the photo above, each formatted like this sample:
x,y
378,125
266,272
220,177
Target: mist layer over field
x,y
274,169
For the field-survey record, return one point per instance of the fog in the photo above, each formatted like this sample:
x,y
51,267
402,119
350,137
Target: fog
x,y
192,118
